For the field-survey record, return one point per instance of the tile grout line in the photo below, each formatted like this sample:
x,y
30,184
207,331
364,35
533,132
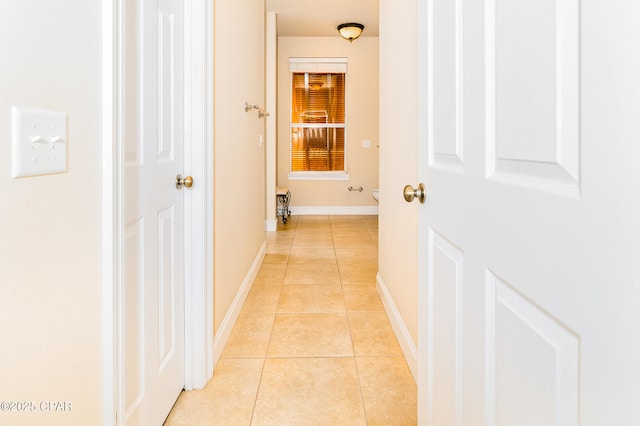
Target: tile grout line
x,y
275,313
353,347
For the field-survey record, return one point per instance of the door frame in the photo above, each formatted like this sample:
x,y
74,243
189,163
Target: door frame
x,y
198,248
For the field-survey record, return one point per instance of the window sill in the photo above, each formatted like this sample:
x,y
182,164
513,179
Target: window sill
x,y
318,176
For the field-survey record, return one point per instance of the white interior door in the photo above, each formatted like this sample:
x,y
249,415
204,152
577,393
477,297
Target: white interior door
x,y
531,120
152,301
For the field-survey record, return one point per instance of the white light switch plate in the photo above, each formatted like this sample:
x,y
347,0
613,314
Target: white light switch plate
x,y
366,143
39,142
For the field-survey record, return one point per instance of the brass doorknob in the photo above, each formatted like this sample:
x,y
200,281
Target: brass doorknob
x,y
186,181
410,193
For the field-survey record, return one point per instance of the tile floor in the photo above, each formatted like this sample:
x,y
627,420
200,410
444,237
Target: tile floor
x,y
312,345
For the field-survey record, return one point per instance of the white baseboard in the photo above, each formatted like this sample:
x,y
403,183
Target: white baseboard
x,y
333,210
271,225
407,345
229,320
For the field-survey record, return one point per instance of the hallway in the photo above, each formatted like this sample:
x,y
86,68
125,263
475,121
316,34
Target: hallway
x,y
312,345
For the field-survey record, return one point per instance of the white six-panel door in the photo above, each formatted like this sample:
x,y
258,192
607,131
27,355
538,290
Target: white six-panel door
x,y
152,321
530,116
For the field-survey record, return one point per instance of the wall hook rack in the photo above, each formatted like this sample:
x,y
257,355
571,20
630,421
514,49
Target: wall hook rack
x,y
261,113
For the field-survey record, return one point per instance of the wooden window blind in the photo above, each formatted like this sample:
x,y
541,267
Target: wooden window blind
x,y
317,121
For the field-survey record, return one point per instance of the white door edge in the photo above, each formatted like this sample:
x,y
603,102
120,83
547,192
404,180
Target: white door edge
x,y
422,149
199,206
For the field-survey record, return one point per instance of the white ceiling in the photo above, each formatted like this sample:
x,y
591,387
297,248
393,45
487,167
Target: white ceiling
x,y
321,17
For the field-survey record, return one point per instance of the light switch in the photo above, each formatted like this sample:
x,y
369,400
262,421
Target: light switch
x,y
366,143
39,142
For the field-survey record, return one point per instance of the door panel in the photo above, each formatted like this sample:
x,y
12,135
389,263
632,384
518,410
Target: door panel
x,y
531,92
447,149
445,342
167,282
168,121
532,361
153,322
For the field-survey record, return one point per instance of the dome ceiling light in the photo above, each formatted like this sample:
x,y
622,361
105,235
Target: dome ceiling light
x,y
350,31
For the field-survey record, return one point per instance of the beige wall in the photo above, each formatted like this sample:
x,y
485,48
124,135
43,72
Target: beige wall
x,y
50,242
398,149
239,167
362,120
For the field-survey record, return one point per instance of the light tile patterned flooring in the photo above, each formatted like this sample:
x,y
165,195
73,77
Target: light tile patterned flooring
x,y
312,345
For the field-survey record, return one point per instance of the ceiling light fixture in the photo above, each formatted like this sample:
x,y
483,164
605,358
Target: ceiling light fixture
x,y
350,31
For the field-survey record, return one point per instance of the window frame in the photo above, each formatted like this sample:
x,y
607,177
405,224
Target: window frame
x,y
318,66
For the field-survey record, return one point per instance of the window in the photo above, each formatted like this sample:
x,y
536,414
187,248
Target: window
x,y
318,118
